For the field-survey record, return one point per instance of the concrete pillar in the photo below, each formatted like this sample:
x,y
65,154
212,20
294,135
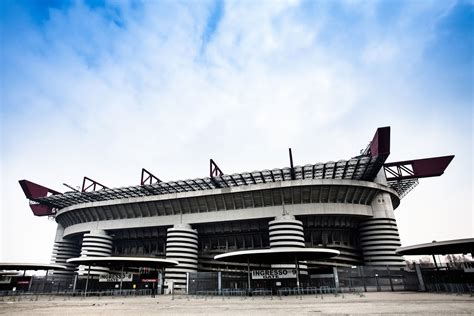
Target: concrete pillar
x,y
181,245
96,243
336,278
379,236
219,282
286,231
64,249
421,282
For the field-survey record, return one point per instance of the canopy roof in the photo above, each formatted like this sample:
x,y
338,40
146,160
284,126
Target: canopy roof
x,y
278,255
30,266
126,262
465,245
8,273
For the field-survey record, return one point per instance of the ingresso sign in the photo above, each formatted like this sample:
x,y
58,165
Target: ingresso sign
x,y
274,274
125,277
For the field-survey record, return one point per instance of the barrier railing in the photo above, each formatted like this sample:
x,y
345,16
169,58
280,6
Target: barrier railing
x,y
455,288
77,293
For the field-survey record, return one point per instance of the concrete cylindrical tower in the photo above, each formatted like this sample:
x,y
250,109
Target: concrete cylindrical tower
x,y
63,250
286,231
96,243
181,245
379,236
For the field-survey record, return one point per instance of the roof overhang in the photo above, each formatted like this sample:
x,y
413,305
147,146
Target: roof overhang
x,y
278,255
126,262
19,266
456,246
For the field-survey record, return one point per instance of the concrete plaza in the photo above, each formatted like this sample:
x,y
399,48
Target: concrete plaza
x,y
369,304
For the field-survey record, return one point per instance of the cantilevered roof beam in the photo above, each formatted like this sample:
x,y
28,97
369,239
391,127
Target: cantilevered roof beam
x,y
415,169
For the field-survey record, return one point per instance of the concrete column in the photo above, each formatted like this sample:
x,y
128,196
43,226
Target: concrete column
x,y
420,277
96,243
219,282
379,236
64,249
286,231
181,245
187,282
336,278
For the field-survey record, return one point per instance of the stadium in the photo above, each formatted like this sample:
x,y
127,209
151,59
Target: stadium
x,y
345,205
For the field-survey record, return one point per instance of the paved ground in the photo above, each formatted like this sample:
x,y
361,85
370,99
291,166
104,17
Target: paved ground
x,y
370,304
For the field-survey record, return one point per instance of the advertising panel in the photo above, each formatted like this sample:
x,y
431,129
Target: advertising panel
x,y
116,277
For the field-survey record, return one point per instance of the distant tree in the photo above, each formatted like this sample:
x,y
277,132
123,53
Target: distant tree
x,y
455,262
425,262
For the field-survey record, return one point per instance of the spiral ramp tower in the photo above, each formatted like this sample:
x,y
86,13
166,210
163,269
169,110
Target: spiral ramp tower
x,y
96,243
379,236
182,246
286,231
63,250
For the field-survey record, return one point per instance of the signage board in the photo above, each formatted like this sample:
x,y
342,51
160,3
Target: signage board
x,y
5,279
116,277
23,282
274,274
150,280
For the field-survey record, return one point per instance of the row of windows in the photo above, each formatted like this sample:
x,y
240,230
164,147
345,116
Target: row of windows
x,y
313,238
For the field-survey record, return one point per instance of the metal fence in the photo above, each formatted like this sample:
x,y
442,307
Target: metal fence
x,y
366,279
34,296
331,281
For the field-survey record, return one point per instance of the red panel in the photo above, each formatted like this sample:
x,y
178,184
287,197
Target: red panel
x,y
422,168
33,191
380,145
431,167
214,170
41,210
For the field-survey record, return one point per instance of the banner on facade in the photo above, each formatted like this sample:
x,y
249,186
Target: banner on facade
x,y
116,277
274,274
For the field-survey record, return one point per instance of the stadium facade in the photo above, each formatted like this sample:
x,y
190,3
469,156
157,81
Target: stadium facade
x,y
346,205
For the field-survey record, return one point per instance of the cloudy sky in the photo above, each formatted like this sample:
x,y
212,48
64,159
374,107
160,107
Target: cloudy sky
x,y
102,89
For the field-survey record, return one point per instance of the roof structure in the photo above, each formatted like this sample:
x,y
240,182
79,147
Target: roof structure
x,y
20,266
9,273
362,168
44,201
445,247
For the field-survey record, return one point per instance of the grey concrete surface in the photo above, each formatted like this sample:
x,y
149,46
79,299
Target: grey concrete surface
x,y
400,303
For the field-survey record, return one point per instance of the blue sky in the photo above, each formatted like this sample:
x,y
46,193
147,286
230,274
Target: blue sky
x,y
104,88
